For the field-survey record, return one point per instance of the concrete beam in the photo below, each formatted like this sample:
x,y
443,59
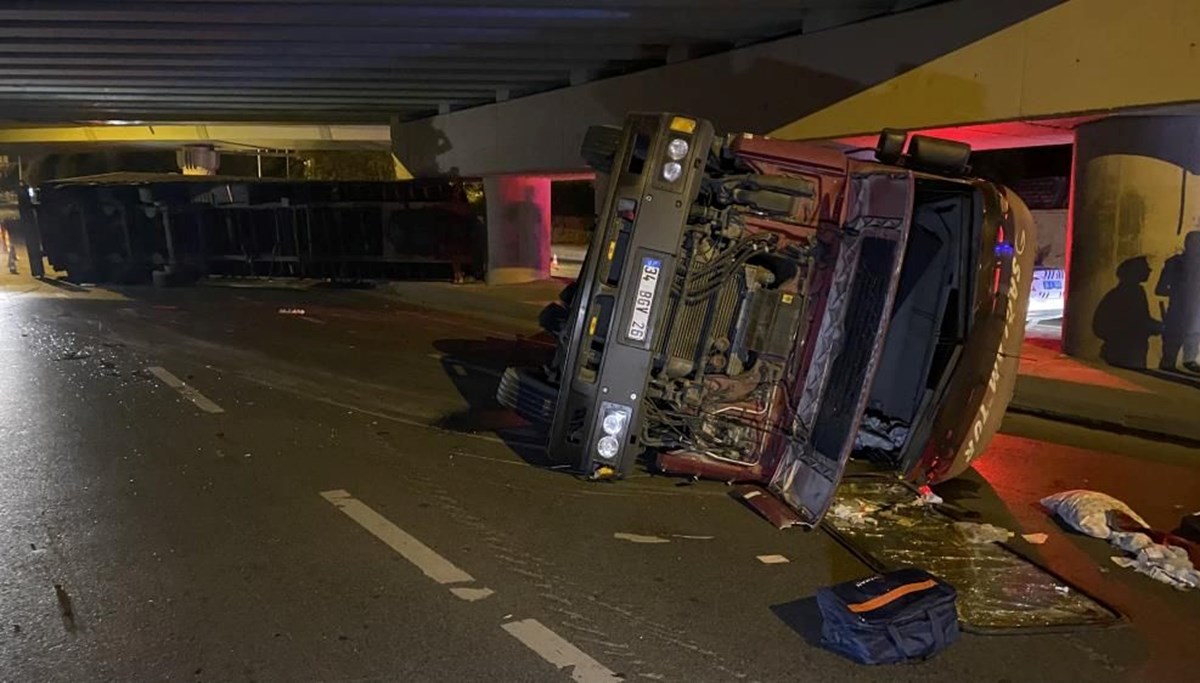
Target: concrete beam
x,y
1080,56
218,134
758,88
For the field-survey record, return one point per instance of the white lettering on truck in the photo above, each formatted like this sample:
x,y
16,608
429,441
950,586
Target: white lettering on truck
x,y
985,408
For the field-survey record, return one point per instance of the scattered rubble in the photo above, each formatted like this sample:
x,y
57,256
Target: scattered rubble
x,y
982,533
854,511
1164,563
78,354
999,588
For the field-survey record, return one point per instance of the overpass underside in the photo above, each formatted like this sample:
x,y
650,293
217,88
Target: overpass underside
x,y
998,75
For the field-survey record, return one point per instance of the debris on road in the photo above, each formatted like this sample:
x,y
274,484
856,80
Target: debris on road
x,y
928,497
292,311
999,589
639,538
975,532
471,594
772,559
1035,539
1163,563
1130,541
64,606
855,511
1088,511
79,354
1163,557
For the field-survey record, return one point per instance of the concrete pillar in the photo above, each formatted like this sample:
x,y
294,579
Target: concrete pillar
x,y
518,228
1135,199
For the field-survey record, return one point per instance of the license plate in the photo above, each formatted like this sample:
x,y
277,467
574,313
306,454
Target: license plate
x,y
643,301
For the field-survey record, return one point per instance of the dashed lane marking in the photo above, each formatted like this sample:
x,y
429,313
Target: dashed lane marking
x,y
530,632
420,555
558,651
189,392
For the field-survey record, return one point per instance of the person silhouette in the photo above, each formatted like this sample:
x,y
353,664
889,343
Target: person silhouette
x,y
1123,321
1179,283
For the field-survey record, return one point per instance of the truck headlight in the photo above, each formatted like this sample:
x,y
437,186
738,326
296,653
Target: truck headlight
x,y
671,171
614,423
677,149
608,447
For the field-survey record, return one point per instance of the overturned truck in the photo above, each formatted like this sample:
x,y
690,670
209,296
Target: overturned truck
x,y
123,227
763,311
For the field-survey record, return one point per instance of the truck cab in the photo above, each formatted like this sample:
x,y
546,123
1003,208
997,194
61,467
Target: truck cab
x,y
763,311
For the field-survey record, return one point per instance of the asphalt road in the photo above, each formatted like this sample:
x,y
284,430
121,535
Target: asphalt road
x,y
332,495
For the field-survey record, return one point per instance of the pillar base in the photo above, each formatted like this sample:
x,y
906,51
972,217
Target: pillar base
x,y
1131,283
514,275
518,228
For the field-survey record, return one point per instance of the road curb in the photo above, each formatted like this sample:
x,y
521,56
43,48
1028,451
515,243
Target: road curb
x,y
1101,424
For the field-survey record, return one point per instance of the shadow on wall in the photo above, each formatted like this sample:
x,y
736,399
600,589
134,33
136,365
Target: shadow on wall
x,y
1124,322
420,145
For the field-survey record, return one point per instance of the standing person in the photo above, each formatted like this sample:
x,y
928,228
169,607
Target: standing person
x,y
1180,284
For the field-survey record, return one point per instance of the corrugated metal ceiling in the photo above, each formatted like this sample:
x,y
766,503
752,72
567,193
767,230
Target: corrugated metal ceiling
x,y
356,61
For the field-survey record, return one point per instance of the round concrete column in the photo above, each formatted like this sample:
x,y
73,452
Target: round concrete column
x,y
518,228
1136,198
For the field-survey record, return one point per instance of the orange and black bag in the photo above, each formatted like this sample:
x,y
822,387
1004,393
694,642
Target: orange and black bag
x,y
902,615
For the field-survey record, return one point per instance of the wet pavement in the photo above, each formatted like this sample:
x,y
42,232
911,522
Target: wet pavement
x,y
195,486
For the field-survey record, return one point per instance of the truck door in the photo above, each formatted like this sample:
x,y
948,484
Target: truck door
x,y
867,256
